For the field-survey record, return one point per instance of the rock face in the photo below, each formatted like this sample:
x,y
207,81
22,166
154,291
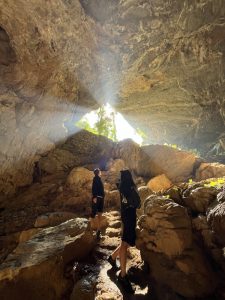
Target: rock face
x,y
169,224
159,183
216,218
177,165
166,243
160,63
48,253
200,198
210,170
53,219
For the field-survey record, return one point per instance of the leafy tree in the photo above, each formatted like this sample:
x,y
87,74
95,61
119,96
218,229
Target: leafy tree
x,y
105,124
84,124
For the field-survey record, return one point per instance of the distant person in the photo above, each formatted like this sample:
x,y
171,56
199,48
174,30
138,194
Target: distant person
x,y
36,172
97,200
128,217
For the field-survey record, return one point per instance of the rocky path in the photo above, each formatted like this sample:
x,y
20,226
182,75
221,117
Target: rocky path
x,y
99,280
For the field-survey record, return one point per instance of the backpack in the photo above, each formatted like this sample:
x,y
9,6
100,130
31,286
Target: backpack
x,y
134,199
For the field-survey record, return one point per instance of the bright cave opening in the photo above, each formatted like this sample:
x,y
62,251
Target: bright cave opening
x,y
110,123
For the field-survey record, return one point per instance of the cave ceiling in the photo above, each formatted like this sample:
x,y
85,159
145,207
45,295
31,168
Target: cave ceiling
x,y
160,63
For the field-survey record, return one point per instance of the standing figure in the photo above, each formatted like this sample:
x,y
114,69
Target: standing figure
x,y
97,200
36,172
128,217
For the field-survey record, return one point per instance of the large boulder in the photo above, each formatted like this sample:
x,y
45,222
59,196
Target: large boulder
x,y
113,170
57,160
166,226
159,183
129,152
80,179
166,244
208,237
177,165
26,272
210,170
89,148
200,198
144,192
175,193
53,219
216,219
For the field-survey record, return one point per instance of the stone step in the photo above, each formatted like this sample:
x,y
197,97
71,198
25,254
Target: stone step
x,y
115,224
109,243
113,232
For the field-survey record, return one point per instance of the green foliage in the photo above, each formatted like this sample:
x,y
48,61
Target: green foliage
x,y
174,146
217,183
105,124
84,124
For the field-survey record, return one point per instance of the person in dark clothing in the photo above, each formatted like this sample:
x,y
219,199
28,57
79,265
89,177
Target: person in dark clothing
x,y
97,199
128,217
37,173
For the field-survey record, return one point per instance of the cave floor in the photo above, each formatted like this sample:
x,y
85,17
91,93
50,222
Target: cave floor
x,y
103,278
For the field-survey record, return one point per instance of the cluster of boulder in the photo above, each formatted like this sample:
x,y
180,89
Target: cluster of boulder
x,y
181,225
181,237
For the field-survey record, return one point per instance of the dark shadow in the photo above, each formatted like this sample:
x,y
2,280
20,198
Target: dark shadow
x,y
140,281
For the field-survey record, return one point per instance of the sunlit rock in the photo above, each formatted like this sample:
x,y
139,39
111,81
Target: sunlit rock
x,y
177,165
159,183
79,179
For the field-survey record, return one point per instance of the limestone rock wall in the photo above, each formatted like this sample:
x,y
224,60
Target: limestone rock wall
x,y
42,74
160,63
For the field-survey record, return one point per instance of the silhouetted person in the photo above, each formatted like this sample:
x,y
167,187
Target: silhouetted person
x,y
37,173
97,199
128,217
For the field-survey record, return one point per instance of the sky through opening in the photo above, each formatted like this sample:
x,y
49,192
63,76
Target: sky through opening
x,y
123,129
